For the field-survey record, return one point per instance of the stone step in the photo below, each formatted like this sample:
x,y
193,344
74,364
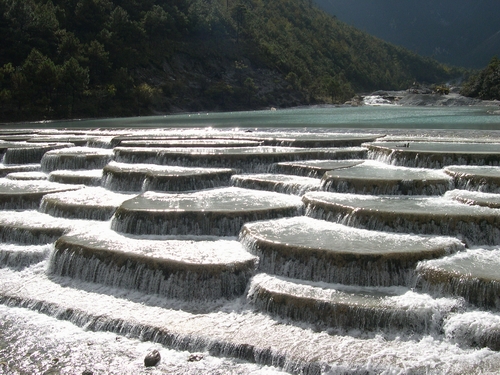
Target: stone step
x,y
312,168
472,275
284,184
472,224
317,250
142,177
346,308
219,212
18,195
91,203
377,178
434,154
182,269
76,158
483,178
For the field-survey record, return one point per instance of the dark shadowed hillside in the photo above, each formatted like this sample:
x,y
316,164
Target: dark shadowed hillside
x,y
461,33
87,58
486,83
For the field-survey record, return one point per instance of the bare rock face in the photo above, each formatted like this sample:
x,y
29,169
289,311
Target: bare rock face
x,y
152,359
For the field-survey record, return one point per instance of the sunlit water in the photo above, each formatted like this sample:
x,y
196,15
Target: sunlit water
x,y
366,117
89,315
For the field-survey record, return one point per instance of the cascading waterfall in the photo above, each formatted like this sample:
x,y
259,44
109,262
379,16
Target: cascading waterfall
x,y
30,153
75,158
144,177
168,268
380,179
88,178
152,242
19,257
476,178
367,309
434,155
278,183
217,212
427,215
316,250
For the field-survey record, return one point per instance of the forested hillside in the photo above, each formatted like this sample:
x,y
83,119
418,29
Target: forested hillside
x,y
461,33
486,83
88,58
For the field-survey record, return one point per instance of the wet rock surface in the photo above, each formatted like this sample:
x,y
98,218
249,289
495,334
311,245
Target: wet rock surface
x,y
152,359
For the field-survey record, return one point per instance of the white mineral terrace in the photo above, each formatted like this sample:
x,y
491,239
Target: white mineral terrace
x,y
233,251
428,215
193,251
435,154
373,177
252,159
27,194
29,176
142,177
10,187
92,203
75,158
287,184
472,274
359,308
441,147
6,169
432,206
231,199
475,198
29,153
318,250
313,168
188,143
90,177
483,178
165,170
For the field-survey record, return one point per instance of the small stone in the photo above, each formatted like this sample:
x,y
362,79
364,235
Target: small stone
x,y
195,358
152,358
87,372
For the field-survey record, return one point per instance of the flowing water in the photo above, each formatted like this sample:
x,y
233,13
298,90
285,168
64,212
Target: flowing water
x,y
327,240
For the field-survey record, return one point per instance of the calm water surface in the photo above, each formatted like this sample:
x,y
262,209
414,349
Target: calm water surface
x,y
365,117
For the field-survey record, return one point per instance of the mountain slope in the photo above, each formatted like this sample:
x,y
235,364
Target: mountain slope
x,y
486,83
67,58
450,31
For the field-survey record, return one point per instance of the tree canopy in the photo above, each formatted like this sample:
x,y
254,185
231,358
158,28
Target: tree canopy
x,y
486,83
88,58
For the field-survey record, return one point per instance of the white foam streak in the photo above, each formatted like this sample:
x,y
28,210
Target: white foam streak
x,y
238,326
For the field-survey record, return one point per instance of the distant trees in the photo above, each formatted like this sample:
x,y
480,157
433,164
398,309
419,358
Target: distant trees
x,y
63,58
485,84
66,58
339,89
